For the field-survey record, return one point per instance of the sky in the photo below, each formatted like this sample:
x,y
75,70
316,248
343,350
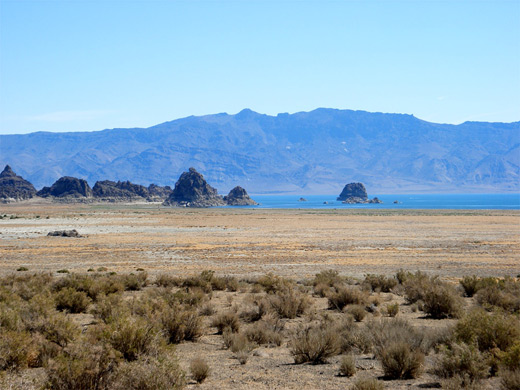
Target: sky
x,y
91,65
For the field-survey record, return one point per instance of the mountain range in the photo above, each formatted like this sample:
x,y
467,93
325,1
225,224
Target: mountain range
x,y
315,152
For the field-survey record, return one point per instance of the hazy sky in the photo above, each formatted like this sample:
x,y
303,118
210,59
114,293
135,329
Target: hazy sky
x,y
90,65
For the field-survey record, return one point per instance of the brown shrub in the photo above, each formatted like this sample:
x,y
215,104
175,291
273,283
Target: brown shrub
x,y
15,350
84,367
289,303
442,301
328,278
314,344
347,366
71,300
417,285
510,379
392,309
149,373
346,296
264,332
199,370
462,361
399,361
180,325
379,283
368,384
358,312
226,320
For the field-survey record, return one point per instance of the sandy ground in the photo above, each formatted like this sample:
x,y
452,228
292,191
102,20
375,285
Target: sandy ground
x,y
242,242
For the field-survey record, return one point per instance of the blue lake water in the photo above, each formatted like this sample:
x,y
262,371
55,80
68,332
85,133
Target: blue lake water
x,y
408,201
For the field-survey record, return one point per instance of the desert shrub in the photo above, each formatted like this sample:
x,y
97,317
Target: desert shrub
x,y
150,373
199,370
314,344
71,300
459,382
289,303
358,312
15,349
192,297
352,337
242,356
166,280
505,296
202,281
510,359
470,285
133,337
264,332
84,367
231,283
402,276
510,379
379,282
399,361
226,320
368,384
417,285
179,325
488,330
346,296
27,286
442,301
207,310
322,290
272,283
134,282
464,361
108,308
58,328
347,366
392,309
328,278
388,331
236,342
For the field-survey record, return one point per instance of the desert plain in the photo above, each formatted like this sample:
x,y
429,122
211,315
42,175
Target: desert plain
x,y
247,243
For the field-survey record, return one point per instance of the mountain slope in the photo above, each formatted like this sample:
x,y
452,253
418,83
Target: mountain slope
x,y
307,152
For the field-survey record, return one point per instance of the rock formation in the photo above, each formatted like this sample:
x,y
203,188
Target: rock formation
x,y
120,191
64,233
14,187
239,197
191,190
355,193
159,193
67,187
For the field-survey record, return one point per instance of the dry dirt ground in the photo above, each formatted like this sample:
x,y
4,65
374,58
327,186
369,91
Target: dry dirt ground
x,y
249,242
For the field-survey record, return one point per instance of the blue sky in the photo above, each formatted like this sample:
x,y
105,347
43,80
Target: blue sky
x,y
91,65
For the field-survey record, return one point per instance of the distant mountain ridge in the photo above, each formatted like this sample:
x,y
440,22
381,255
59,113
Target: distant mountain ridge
x,y
305,152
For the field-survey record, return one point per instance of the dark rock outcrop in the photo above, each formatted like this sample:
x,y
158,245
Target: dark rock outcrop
x,y
239,197
67,187
191,190
119,191
159,193
14,187
355,193
65,233
353,190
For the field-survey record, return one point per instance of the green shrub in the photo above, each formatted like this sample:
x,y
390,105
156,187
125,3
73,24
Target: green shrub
x,y
179,325
399,361
71,300
84,367
379,283
314,344
15,349
392,309
470,284
149,373
441,301
417,285
272,283
346,296
133,282
488,330
133,337
199,370
347,366
328,278
462,361
58,328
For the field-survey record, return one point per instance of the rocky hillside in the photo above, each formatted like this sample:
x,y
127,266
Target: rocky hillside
x,y
306,152
14,187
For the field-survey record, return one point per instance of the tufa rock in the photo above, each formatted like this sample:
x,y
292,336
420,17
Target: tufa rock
x,y
239,197
191,190
64,233
353,190
355,193
67,187
14,187
122,190
158,192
